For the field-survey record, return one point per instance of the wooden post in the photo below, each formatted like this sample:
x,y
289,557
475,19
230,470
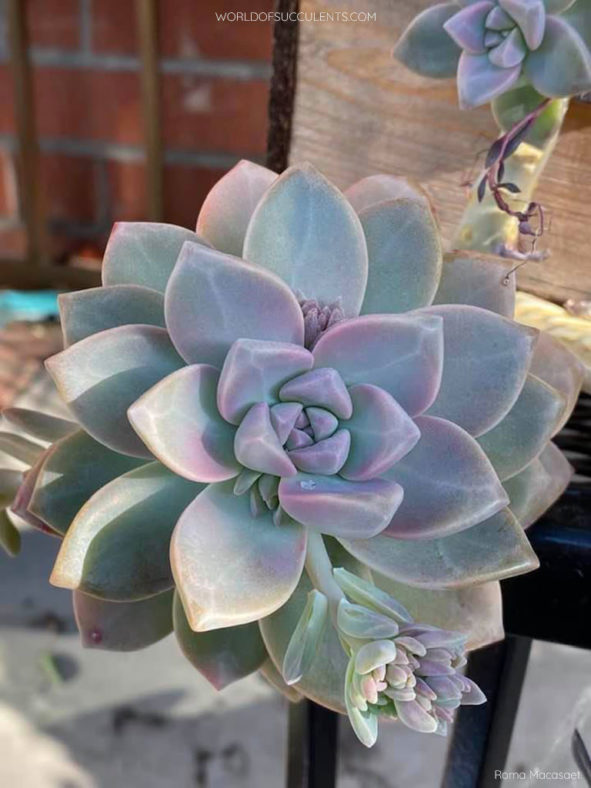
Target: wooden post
x,y
147,12
29,180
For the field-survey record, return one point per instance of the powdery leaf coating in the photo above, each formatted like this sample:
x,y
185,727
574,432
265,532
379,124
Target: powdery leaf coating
x,y
525,430
40,426
477,280
122,626
476,611
377,189
467,29
117,546
424,49
333,505
399,231
226,211
178,421
254,371
72,471
538,486
257,446
491,550
306,232
553,363
480,81
325,680
381,433
143,253
222,656
231,568
449,484
90,311
562,64
322,387
481,378
401,354
213,299
101,376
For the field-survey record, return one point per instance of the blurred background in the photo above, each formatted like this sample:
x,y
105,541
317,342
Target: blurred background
x,y
131,111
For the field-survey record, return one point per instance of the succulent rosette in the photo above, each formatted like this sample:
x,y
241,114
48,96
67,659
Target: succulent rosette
x,y
305,384
496,45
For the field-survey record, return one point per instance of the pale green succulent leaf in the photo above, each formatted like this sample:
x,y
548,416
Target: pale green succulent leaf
x,y
561,66
479,81
557,366
381,433
101,376
324,682
22,449
144,253
476,611
117,546
491,550
467,28
477,280
363,623
539,485
397,232
306,232
10,481
10,538
512,106
530,16
558,6
375,189
258,564
122,626
578,16
449,483
365,593
481,379
525,430
226,211
39,426
364,724
178,420
336,506
213,299
304,643
270,673
88,312
402,354
222,656
72,471
425,47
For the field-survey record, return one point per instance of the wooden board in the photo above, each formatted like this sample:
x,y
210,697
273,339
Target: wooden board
x,y
358,112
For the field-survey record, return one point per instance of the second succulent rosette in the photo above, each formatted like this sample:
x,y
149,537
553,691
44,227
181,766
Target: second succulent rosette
x,y
303,418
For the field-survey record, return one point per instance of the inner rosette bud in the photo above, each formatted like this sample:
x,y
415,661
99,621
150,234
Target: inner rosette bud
x,y
293,435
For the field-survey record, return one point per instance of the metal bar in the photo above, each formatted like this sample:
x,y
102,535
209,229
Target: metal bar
x,y
482,734
147,13
30,188
311,746
534,603
283,86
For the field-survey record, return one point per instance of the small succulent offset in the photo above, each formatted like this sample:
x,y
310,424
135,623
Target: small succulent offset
x,y
496,45
306,440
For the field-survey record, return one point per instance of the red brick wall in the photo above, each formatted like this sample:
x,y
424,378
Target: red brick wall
x,y
214,86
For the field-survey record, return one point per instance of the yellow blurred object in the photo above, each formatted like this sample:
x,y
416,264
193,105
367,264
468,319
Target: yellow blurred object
x,y
572,330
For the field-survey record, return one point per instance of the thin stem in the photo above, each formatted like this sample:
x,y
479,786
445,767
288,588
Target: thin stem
x,y
492,223
319,569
